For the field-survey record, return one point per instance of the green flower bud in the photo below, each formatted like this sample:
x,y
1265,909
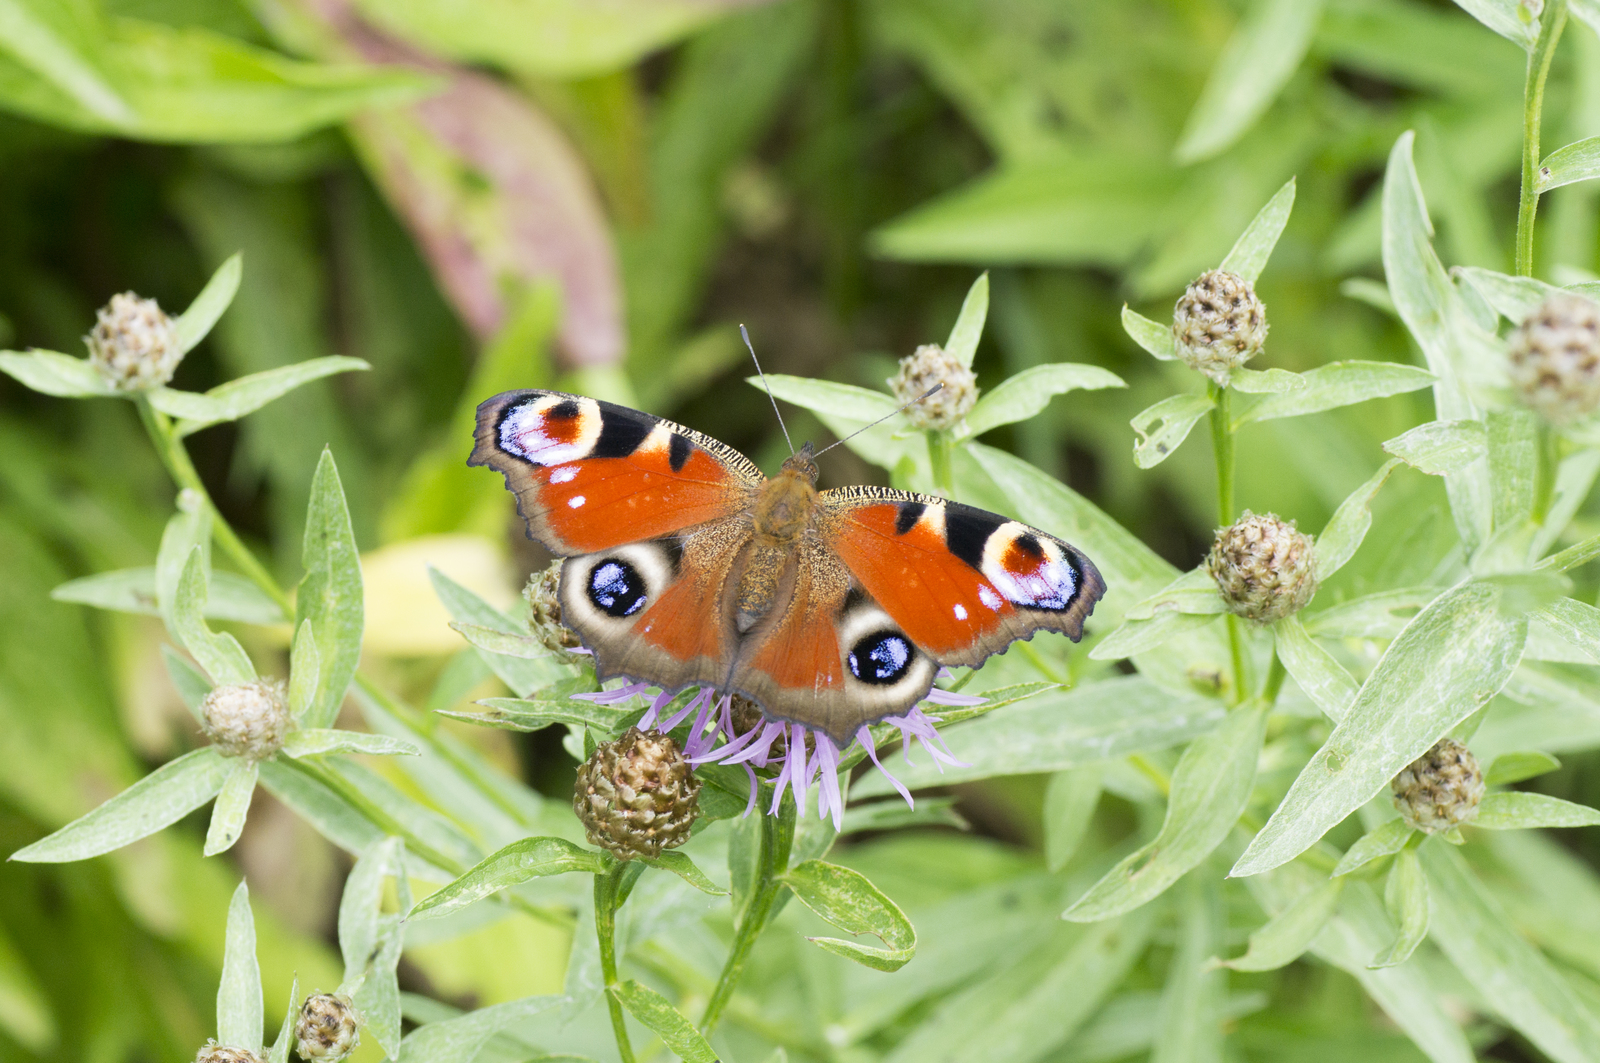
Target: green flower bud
x,y
931,364
134,345
637,796
1263,567
248,719
1440,789
1219,324
1555,358
544,609
327,1028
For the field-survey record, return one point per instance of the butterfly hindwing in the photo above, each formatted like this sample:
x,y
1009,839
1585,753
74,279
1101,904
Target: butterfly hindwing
x,y
589,475
962,582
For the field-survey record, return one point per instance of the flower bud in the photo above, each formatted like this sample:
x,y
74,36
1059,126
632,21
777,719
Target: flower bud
x,y
637,796
134,345
212,1052
1263,567
930,365
1219,324
544,609
1555,358
1440,789
327,1028
246,720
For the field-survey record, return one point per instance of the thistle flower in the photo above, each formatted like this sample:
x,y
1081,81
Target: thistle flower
x,y
247,719
211,1052
134,345
1440,789
931,364
544,610
1555,358
637,796
1219,324
1263,567
327,1029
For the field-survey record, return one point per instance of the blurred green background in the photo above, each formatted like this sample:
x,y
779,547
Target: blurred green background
x,y
593,196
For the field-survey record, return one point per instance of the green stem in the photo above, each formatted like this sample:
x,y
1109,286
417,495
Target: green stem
x,y
1551,23
1276,674
1236,654
1549,464
605,928
777,838
1222,450
939,457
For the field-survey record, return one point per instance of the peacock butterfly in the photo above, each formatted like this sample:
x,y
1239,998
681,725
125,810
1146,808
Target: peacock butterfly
x,y
832,610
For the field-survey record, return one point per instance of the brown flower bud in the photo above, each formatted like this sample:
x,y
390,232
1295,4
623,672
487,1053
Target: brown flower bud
x,y
212,1052
544,609
327,1028
637,796
930,365
1555,358
1219,324
1263,567
1440,789
247,719
134,345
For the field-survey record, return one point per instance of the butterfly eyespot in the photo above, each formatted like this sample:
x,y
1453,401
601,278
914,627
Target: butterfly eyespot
x,y
881,657
616,588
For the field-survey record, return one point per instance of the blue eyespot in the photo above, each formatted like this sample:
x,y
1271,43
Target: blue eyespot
x,y
616,588
881,657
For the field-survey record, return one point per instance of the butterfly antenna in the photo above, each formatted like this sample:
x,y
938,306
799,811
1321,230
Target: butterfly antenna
x,y
768,386
876,423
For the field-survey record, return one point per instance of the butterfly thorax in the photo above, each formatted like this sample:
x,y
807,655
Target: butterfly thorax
x,y
781,517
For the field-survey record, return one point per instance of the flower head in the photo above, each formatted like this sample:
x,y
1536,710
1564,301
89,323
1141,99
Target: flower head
x,y
1219,324
134,345
327,1029
544,609
1263,567
638,795
1555,358
211,1052
1440,789
247,719
931,364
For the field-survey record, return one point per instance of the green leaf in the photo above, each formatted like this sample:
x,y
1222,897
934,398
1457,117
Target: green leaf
x,y
236,398
188,528
233,805
1440,447
1163,427
189,681
1259,59
1579,161
1508,768
1322,678
1342,536
462,1039
1265,382
518,862
1021,396
1513,465
494,640
657,1013
279,1052
133,590
1193,592
517,714
1444,666
523,675
239,1009
195,323
1376,844
680,864
1519,811
219,653
1406,896
1337,384
1372,616
1210,786
161,798
1510,975
1189,1016
1152,336
1254,246
1508,18
893,814
59,49
1578,623
313,741
329,812
842,400
1070,799
53,373
1287,935
330,594
305,666
1514,298
847,900
370,939
1138,636
968,329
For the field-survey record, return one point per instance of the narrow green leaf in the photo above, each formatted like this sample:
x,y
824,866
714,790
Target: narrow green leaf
x,y
330,596
968,329
1576,622
1139,636
1265,381
1323,679
1342,536
462,1039
522,674
239,1006
1210,786
189,681
1189,1016
1508,768
1508,18
219,653
279,1052
1511,976
847,900
523,646
1260,57
331,813
163,797
1070,799
305,666
680,864
1440,447
317,740
370,940
1514,298
517,862
1405,894
1373,616
1287,935
1162,428
1513,465
893,814
186,529
517,714
51,42
1375,845
238,398
1575,478
657,1013
1193,592
1254,246
1152,336
1578,161
1445,665
1019,397
1337,384
133,590
194,323
1519,811
233,805
54,373
819,396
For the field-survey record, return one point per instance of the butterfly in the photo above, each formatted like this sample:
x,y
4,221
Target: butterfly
x,y
686,566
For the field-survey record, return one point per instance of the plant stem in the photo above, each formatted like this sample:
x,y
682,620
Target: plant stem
x,y
777,837
939,457
1549,465
1276,674
1222,450
1551,23
605,928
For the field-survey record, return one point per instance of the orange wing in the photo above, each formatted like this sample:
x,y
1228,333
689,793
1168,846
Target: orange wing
x,y
963,583
589,475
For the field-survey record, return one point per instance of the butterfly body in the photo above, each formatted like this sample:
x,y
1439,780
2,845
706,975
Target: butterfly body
x,y
831,609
